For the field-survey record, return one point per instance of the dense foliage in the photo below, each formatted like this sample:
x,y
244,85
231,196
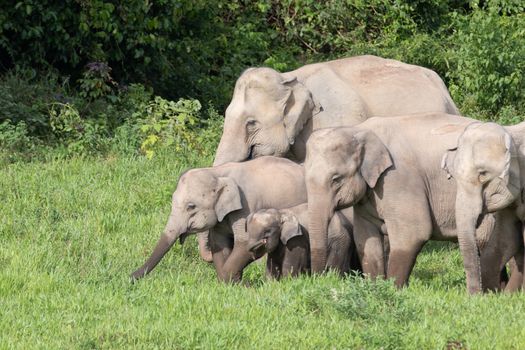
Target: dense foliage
x,y
81,76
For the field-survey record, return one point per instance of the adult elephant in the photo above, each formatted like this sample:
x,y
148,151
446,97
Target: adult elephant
x,y
488,165
389,170
274,113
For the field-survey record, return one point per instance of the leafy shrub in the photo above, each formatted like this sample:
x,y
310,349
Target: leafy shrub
x,y
334,27
167,123
489,71
26,98
15,143
97,81
77,135
177,125
109,61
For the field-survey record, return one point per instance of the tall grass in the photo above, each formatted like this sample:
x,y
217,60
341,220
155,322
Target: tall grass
x,y
72,231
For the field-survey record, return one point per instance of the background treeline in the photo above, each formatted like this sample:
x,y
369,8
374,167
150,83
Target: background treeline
x,y
83,77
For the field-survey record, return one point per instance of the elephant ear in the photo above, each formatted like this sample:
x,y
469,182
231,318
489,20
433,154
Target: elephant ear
x,y
290,228
298,107
375,157
228,197
447,162
503,190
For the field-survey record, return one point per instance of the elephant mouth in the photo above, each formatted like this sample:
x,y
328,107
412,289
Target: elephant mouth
x,y
183,237
255,247
251,153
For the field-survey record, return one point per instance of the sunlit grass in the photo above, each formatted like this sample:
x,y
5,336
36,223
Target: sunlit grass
x,y
72,231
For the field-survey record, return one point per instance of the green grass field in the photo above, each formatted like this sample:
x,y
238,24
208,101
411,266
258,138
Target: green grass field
x,y
72,231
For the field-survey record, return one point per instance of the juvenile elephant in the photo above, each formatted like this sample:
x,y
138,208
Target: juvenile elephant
x,y
389,171
219,199
485,163
283,235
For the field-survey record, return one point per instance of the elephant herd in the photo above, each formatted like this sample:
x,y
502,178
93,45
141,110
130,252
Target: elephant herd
x,y
353,164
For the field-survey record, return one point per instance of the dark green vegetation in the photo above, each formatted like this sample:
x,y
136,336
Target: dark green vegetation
x,y
92,143
73,230
84,76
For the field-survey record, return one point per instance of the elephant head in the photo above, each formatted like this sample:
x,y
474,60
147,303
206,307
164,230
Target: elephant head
x,y
200,201
266,228
485,167
341,164
265,115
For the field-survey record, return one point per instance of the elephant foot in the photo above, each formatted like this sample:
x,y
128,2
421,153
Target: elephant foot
x,y
206,255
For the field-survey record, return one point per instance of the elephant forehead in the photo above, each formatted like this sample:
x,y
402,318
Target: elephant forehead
x,y
327,140
197,182
265,219
332,154
490,154
484,132
259,77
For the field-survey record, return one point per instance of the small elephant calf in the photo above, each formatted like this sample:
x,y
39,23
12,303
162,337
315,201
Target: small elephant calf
x,y
283,235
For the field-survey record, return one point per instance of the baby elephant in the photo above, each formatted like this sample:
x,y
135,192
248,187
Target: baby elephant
x,y
283,235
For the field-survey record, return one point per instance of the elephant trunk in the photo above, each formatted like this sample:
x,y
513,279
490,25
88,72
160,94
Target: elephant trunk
x,y
499,195
320,210
232,147
466,220
166,241
232,269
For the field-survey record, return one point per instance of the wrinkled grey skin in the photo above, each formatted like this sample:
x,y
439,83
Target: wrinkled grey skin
x,y
283,235
219,199
486,166
274,113
389,170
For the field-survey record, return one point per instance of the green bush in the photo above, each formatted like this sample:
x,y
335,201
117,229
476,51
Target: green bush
x,y
97,77
167,123
26,98
15,143
489,70
99,119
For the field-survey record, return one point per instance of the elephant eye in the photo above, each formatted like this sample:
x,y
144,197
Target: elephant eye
x,y
336,179
251,124
190,206
483,176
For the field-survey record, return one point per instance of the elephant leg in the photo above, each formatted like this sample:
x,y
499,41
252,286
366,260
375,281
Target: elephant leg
x,y
355,263
504,246
523,260
503,278
516,269
338,258
273,268
204,249
369,244
491,273
221,247
295,259
517,265
408,227
402,260
386,248
236,262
